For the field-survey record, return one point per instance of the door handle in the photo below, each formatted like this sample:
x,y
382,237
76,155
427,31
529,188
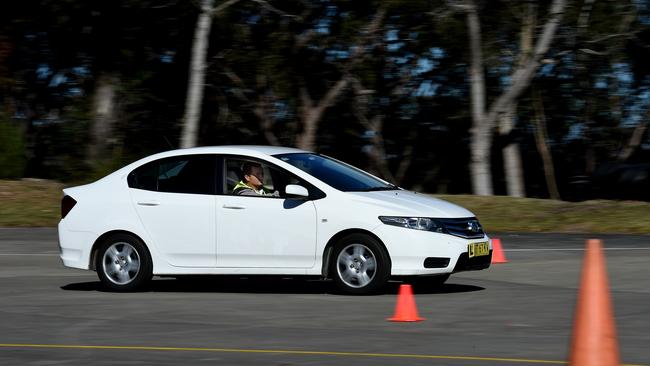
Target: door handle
x,y
148,203
234,207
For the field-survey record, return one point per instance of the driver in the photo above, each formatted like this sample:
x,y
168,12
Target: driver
x,y
252,183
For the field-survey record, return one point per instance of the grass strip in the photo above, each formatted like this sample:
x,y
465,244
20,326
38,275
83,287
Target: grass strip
x,y
36,203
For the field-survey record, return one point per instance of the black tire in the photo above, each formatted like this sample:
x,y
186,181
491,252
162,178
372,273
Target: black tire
x,y
354,275
124,276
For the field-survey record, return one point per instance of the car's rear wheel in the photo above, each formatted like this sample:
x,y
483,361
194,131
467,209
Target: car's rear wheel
x,y
360,264
123,263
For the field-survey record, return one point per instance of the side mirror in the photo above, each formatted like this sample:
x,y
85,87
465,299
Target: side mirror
x,y
294,190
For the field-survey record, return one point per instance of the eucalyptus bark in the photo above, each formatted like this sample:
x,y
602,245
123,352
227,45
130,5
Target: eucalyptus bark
x,y
104,108
198,65
541,140
196,83
312,113
483,122
512,157
513,167
481,134
634,142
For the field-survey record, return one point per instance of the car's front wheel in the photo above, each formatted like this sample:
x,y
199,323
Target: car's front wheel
x,y
360,264
123,263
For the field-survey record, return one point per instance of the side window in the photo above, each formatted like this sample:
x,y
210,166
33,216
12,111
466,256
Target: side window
x,y
183,174
145,177
187,174
253,174
265,179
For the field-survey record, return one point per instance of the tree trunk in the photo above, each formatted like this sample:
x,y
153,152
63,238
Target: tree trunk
x,y
512,157
511,154
189,136
481,137
634,142
483,122
313,113
307,138
480,165
377,153
104,117
541,140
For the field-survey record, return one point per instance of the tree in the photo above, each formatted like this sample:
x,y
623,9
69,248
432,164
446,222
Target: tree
x,y
483,118
277,81
511,154
541,140
198,64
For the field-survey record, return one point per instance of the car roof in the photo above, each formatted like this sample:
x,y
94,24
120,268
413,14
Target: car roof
x,y
247,150
235,150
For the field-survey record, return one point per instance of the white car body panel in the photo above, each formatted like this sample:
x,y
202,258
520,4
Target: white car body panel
x,y
263,238
182,226
405,203
263,232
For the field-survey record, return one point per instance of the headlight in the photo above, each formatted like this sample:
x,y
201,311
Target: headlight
x,y
417,223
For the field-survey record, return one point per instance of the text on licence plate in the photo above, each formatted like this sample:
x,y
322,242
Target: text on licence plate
x,y
478,249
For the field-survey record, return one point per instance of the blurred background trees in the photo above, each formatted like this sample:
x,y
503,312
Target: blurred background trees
x,y
405,89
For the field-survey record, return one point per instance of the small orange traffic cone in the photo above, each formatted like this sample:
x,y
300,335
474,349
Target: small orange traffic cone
x,y
594,341
498,256
405,310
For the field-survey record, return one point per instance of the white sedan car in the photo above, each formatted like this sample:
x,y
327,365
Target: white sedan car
x,y
179,213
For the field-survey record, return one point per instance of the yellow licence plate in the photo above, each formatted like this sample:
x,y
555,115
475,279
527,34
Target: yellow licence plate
x,y
478,249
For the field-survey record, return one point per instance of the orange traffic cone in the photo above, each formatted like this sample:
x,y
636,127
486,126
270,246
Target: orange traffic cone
x,y
405,310
498,256
594,340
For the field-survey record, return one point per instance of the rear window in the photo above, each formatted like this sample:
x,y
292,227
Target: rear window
x,y
179,174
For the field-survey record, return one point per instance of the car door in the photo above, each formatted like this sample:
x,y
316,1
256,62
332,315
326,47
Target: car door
x,y
264,231
175,201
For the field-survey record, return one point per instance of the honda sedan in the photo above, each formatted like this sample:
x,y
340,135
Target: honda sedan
x,y
260,210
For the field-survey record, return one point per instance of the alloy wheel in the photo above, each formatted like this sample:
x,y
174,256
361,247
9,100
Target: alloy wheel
x,y
121,263
356,265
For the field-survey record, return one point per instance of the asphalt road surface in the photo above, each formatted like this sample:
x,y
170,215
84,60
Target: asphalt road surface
x,y
517,313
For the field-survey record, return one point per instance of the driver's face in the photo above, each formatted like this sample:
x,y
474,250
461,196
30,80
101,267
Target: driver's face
x,y
256,177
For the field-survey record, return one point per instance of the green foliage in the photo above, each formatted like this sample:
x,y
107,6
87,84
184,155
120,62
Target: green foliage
x,y
12,149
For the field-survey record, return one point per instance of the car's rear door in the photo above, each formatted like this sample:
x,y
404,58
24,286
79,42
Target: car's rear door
x,y
175,200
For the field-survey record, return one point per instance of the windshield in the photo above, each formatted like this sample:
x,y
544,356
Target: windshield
x,y
339,175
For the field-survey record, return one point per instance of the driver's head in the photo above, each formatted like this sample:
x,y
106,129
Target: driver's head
x,y
253,174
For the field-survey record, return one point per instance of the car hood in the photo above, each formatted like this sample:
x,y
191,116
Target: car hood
x,y
406,203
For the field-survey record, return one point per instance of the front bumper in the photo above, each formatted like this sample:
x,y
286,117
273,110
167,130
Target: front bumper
x,y
464,263
409,249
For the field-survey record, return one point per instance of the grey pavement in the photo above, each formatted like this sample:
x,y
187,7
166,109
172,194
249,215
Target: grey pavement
x,y
520,310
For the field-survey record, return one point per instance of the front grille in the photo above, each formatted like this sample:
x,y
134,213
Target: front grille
x,y
466,227
465,263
